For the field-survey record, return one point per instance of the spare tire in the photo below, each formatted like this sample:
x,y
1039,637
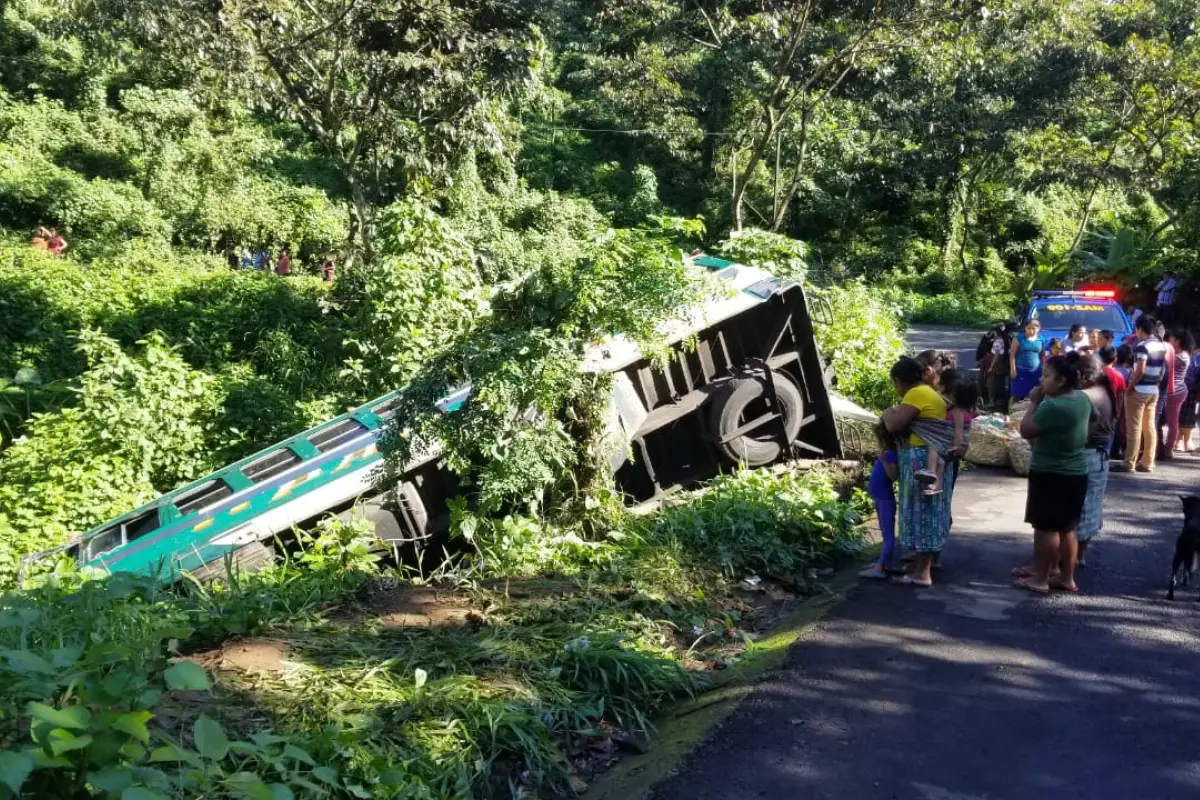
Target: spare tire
x,y
760,446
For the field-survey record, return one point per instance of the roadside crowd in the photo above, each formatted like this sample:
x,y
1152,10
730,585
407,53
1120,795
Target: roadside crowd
x,y
1089,399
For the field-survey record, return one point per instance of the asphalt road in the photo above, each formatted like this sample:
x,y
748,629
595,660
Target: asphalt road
x,y
975,690
962,341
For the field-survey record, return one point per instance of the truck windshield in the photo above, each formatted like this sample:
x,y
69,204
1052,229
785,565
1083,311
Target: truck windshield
x,y
1095,316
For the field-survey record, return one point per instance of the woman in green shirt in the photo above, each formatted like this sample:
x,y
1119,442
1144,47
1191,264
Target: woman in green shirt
x,y
1057,425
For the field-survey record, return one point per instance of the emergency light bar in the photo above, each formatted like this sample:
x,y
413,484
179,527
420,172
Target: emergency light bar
x,y
1106,294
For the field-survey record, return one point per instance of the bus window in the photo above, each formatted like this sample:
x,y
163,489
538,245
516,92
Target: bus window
x,y
270,465
140,525
329,438
387,409
204,496
103,542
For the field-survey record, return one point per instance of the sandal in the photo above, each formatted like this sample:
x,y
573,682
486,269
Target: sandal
x,y
908,580
1023,583
1062,587
874,572
1022,572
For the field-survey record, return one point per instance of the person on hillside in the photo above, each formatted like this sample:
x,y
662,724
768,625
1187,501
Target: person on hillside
x,y
262,260
247,259
41,239
283,266
1057,426
327,270
58,243
881,488
1188,415
1025,360
1077,339
1165,306
1183,344
924,519
1102,425
1141,398
233,259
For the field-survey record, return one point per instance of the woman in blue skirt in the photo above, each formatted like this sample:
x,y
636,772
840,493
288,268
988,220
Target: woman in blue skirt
x,y
1025,360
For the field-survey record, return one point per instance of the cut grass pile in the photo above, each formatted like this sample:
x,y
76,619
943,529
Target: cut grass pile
x,y
325,676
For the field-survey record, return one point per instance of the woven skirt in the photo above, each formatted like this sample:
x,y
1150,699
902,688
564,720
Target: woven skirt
x,y
924,519
1091,521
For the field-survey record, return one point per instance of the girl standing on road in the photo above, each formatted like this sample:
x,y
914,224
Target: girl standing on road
x,y
1025,360
1187,417
881,488
1057,425
1101,427
924,519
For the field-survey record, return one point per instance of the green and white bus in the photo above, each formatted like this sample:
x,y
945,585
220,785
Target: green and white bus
x,y
745,383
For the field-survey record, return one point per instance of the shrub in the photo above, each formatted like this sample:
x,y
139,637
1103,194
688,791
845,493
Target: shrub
x,y
976,309
863,342
139,428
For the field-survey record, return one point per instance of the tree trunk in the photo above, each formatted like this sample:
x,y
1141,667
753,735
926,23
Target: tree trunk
x,y
362,220
952,218
782,204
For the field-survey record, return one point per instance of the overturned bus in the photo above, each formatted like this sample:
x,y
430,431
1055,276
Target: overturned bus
x,y
744,383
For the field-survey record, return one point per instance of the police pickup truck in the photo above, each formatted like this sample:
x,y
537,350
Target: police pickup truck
x,y
1059,309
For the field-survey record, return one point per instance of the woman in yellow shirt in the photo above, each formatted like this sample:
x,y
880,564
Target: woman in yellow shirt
x,y
924,520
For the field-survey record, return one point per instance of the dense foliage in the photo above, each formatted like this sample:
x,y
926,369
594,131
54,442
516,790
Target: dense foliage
x,y
501,183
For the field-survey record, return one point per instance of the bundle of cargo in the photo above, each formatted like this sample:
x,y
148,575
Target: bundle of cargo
x,y
1020,453
990,438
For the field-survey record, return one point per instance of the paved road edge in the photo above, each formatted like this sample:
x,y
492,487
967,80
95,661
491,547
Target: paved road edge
x,y
686,724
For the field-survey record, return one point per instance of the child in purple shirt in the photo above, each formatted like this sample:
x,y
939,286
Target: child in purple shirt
x,y
881,488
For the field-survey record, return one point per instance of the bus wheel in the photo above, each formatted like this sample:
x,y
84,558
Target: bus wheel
x,y
740,403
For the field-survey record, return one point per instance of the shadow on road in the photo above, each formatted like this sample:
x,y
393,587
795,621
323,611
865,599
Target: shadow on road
x,y
974,689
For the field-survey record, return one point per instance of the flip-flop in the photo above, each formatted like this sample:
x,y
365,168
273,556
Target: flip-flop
x,y
1023,583
874,573
907,580
1062,587
1022,572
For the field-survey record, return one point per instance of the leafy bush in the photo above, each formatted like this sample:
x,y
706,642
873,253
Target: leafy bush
x,y
777,254
139,428
162,168
972,309
863,342
748,522
531,420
